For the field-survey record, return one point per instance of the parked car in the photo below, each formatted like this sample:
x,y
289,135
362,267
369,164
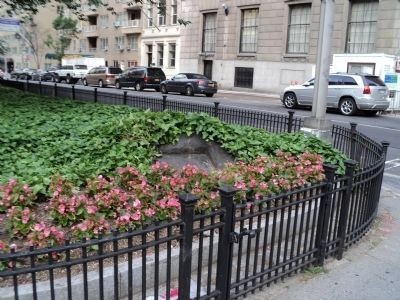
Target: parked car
x,y
22,74
347,92
70,73
189,84
101,76
41,75
141,78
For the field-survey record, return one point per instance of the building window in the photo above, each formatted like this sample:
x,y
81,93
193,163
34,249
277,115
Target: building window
x,y
132,63
116,63
150,16
160,53
172,54
104,43
103,22
119,42
244,77
362,27
161,12
132,42
299,28
209,32
248,30
174,12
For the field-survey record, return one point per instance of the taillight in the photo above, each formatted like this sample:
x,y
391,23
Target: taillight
x,y
201,82
145,79
367,90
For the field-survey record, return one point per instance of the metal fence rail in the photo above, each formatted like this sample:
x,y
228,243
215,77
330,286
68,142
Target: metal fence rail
x,y
224,254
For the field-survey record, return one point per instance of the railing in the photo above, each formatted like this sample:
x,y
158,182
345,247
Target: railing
x,y
271,122
90,28
130,23
227,253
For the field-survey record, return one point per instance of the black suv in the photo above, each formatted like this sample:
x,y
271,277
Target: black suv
x,y
141,78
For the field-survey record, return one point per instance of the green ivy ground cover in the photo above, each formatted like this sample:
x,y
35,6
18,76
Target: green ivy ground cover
x,y
43,136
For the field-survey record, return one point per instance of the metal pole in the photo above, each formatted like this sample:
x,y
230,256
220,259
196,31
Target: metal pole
x,y
318,117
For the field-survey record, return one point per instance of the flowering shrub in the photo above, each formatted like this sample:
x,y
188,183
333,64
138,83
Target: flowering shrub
x,y
66,211
90,228
132,199
42,235
19,221
14,193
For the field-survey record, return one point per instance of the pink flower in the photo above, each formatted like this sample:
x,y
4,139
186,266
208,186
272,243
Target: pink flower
x,y
136,216
149,212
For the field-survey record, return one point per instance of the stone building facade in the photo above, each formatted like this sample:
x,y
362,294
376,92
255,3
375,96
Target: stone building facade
x,y
133,36
265,45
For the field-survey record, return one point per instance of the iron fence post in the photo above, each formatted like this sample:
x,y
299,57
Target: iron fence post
x,y
95,95
40,88
290,121
216,109
125,97
187,202
73,92
164,102
344,209
225,247
353,132
55,89
385,146
324,213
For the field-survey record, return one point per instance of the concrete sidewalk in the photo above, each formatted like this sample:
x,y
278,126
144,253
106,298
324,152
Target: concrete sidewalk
x,y
369,270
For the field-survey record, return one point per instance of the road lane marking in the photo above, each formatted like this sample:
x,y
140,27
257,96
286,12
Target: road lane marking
x,y
392,175
372,126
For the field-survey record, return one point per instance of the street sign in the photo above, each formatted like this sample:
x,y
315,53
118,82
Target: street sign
x,y
7,24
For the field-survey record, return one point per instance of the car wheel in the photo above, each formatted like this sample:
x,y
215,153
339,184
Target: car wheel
x,y
101,84
53,78
85,82
138,86
209,94
290,100
58,79
117,85
164,89
189,91
68,79
348,106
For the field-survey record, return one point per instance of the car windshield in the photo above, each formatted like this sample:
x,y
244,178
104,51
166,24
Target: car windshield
x,y
81,67
115,70
374,81
196,76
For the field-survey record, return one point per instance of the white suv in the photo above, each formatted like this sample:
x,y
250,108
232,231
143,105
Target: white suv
x,y
347,92
70,73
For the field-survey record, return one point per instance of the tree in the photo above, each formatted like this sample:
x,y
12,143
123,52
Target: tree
x,y
25,8
66,30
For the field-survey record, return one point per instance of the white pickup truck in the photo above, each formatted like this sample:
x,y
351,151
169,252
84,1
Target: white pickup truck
x,y
70,73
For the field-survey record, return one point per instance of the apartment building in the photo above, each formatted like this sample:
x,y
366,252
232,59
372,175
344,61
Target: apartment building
x,y
265,45
132,35
27,49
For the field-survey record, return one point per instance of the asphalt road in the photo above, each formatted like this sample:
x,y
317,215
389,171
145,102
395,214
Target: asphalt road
x,y
384,127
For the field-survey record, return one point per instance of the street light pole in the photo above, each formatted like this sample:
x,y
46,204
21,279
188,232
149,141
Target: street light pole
x,y
317,124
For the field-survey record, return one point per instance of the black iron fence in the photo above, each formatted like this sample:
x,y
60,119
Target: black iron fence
x,y
225,254
269,121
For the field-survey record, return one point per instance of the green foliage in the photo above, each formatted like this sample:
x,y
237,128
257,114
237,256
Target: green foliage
x,y
42,137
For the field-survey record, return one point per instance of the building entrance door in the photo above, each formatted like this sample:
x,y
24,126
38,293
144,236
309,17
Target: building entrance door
x,y
208,68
